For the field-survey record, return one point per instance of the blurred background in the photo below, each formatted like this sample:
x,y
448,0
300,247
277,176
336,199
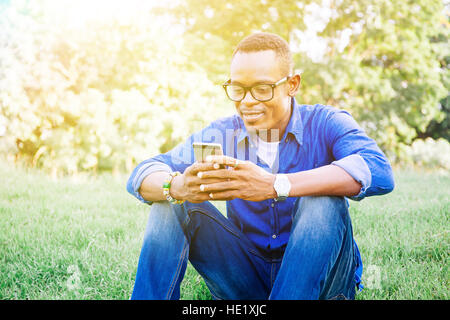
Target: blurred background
x,y
98,86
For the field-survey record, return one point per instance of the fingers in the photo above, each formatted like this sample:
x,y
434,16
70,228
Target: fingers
x,y
214,195
217,187
221,173
223,195
216,174
202,166
224,160
210,181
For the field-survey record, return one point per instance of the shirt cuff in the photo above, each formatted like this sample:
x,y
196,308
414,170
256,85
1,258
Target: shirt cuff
x,y
357,167
145,171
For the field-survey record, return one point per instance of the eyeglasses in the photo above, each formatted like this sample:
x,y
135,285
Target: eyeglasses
x,y
261,92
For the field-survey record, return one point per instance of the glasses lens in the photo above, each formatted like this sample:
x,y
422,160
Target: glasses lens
x,y
235,92
262,92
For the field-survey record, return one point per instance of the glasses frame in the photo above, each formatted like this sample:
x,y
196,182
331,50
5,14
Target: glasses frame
x,y
247,89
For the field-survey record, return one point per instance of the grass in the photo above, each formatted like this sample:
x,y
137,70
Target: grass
x,y
80,238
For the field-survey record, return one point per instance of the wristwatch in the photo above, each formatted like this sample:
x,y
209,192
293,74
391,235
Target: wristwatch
x,y
282,186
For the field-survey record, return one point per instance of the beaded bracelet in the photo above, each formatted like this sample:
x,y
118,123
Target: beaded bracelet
x,y
166,188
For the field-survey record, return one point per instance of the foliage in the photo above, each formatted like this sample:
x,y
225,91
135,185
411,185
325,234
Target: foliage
x,y
439,127
429,153
100,96
384,61
103,91
398,67
220,25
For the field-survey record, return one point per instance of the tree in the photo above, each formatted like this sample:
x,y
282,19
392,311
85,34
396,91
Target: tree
x,y
396,65
100,95
104,91
380,63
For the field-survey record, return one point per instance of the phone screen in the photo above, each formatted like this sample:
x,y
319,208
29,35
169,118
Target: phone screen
x,y
202,150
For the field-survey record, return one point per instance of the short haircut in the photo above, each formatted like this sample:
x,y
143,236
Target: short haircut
x,y
262,41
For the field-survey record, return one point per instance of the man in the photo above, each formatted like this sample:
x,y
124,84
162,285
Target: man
x,y
285,173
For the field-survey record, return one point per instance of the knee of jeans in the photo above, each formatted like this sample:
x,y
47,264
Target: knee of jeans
x,y
159,205
165,214
322,208
322,201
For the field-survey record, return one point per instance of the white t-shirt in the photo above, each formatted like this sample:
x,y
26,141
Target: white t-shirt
x,y
267,151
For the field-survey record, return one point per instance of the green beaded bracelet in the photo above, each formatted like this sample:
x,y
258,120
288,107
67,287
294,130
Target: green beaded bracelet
x,y
166,188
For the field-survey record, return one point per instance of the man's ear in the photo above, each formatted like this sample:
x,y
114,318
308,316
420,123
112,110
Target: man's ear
x,y
294,85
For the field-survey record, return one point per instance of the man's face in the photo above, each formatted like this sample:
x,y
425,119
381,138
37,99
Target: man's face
x,y
248,69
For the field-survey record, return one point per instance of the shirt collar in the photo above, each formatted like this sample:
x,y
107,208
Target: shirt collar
x,y
294,127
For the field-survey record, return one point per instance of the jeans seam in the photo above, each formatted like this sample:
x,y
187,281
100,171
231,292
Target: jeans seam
x,y
214,295
339,295
334,279
210,216
185,222
272,280
177,273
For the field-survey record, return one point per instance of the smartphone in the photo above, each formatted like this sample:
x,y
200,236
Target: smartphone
x,y
203,149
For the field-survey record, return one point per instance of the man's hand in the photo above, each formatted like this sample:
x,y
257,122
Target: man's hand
x,y
187,186
241,179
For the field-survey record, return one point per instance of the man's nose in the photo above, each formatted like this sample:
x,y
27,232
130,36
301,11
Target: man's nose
x,y
248,99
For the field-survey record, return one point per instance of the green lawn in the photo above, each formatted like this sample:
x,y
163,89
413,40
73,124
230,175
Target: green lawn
x,y
81,238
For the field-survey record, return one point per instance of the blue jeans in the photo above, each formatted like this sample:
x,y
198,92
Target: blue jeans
x,y
318,263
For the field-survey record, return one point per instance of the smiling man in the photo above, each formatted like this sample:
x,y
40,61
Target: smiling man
x,y
288,172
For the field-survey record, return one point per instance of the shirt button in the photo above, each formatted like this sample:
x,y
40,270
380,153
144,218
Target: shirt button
x,y
274,236
272,204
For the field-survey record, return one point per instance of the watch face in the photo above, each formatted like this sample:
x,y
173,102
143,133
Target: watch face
x,y
282,185
284,189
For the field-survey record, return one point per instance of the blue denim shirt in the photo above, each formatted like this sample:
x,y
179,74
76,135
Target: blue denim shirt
x,y
315,136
